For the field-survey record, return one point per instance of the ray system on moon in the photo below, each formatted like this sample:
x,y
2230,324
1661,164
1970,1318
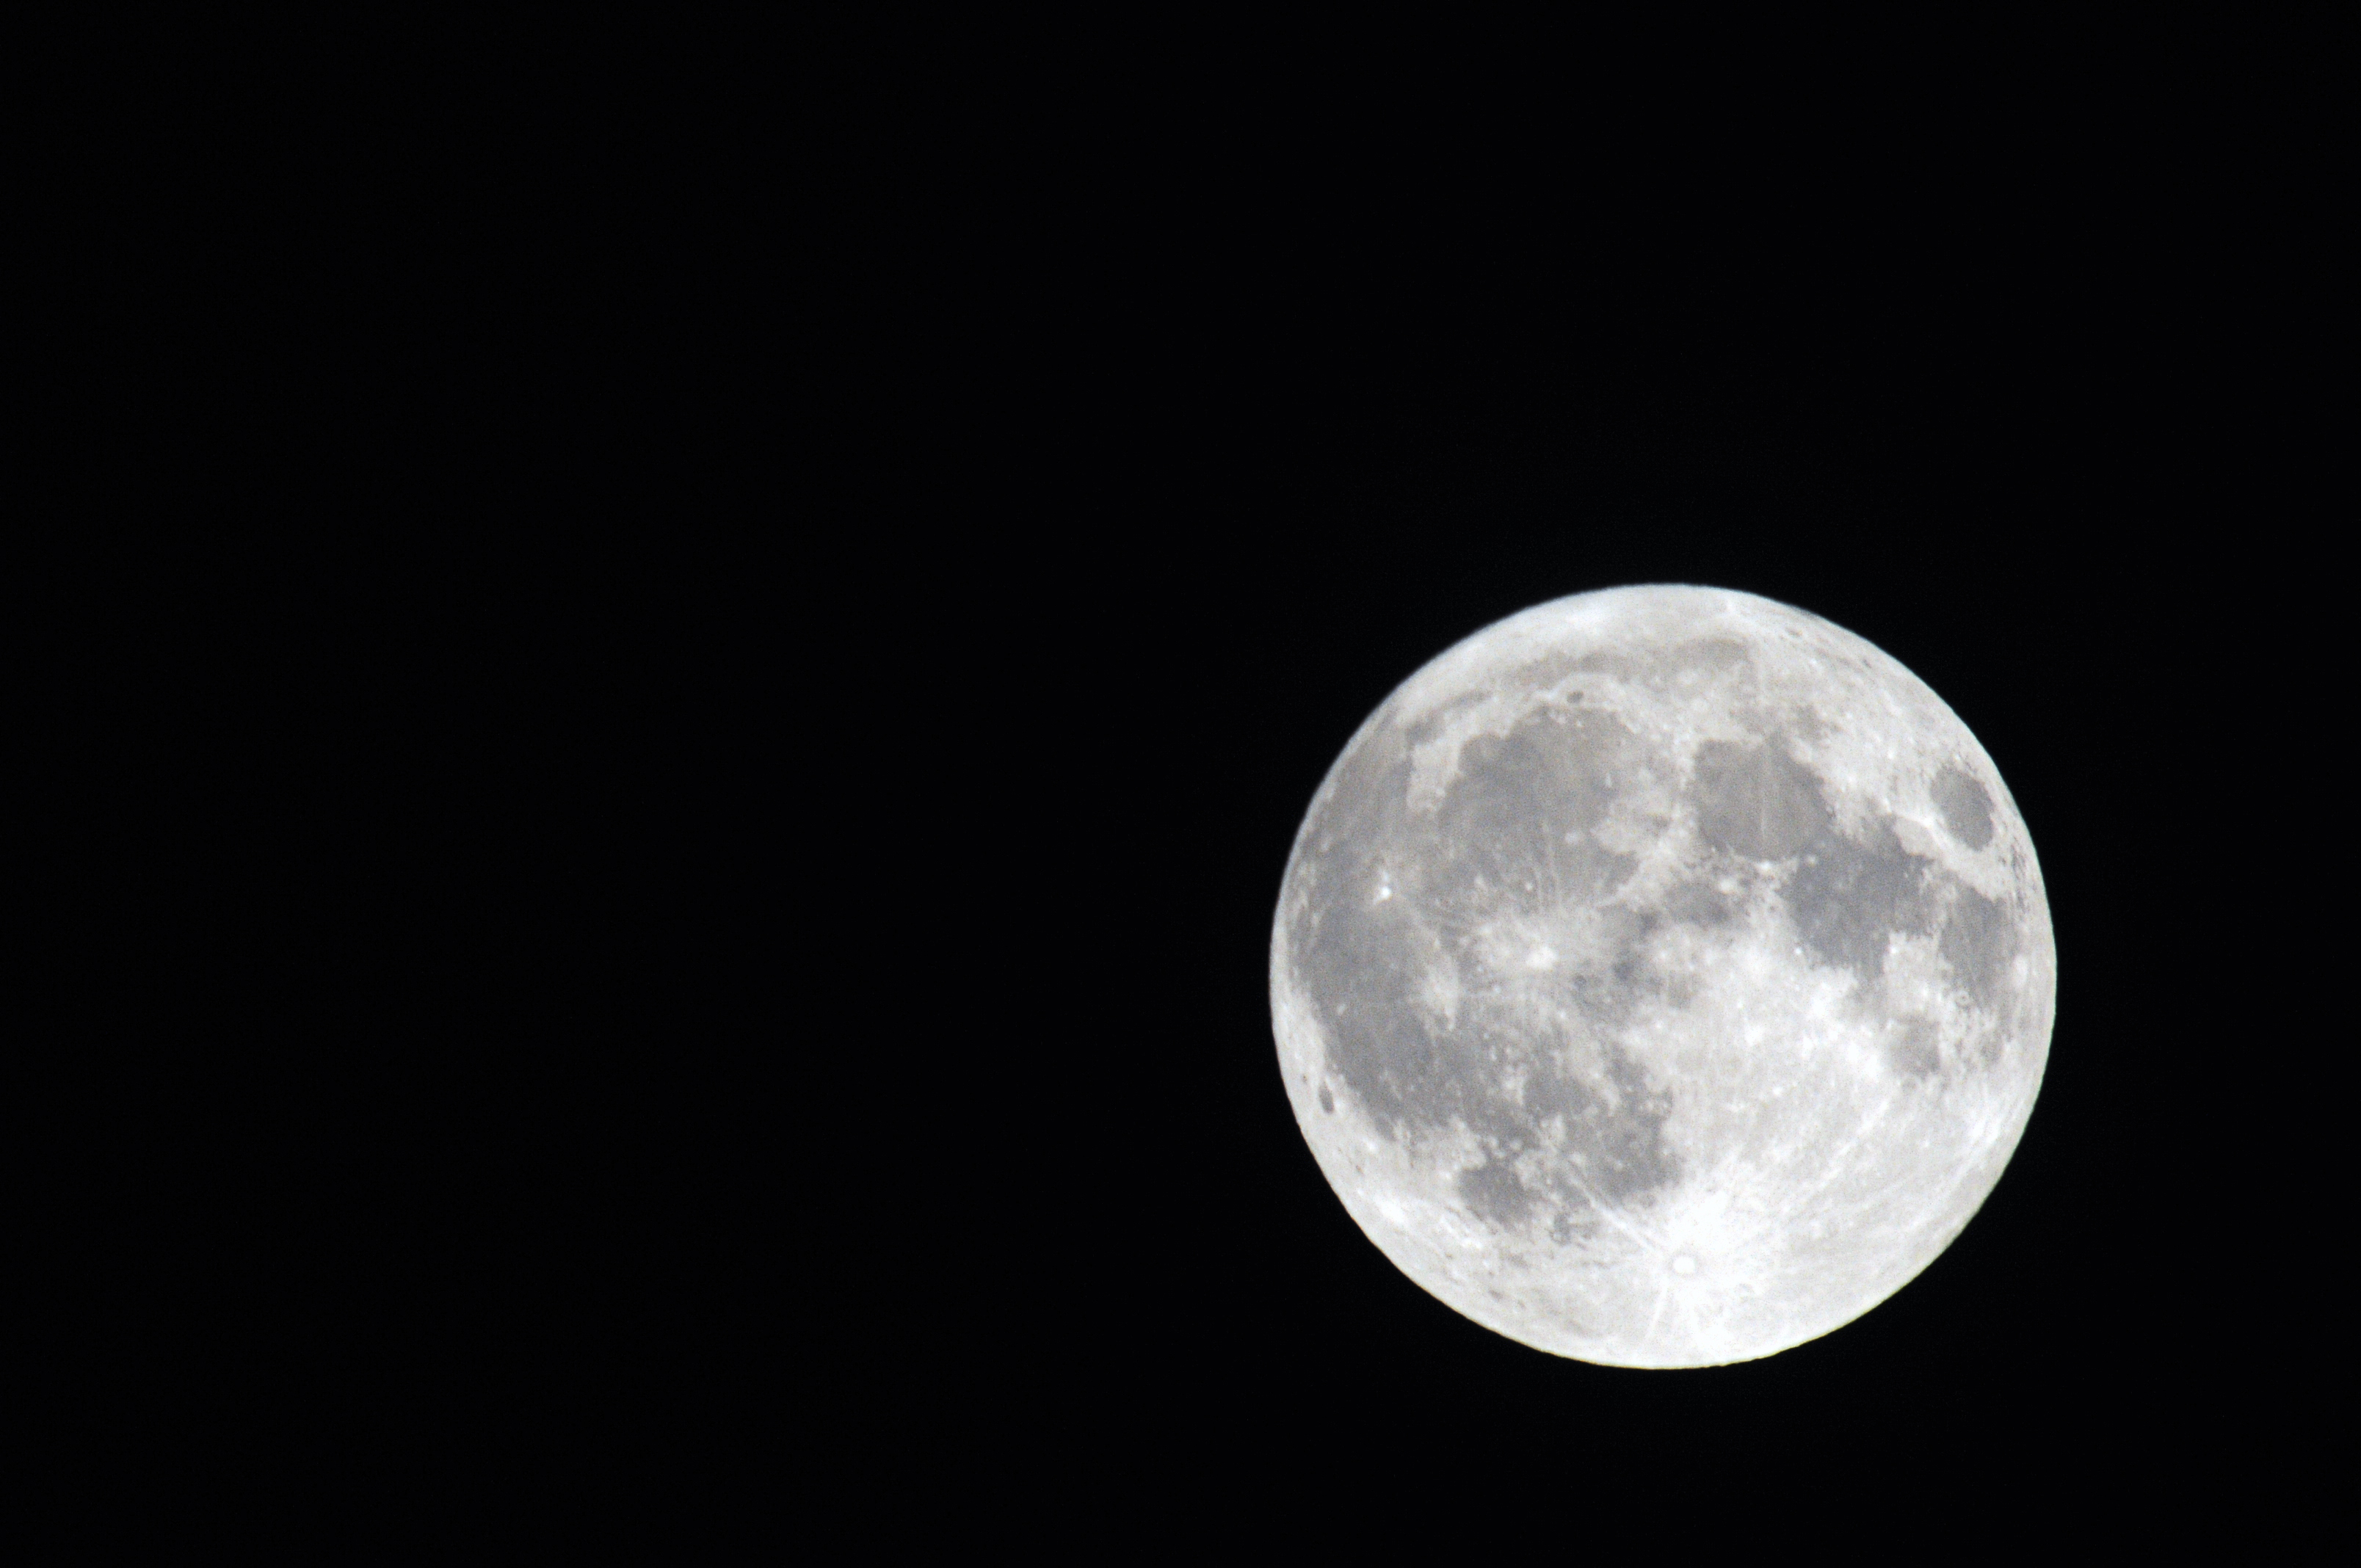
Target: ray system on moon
x,y
1662,977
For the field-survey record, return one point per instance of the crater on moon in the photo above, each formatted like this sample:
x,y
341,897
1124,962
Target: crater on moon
x,y
1675,975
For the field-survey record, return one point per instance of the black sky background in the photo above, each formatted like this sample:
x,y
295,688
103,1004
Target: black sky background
x,y
1063,584
2045,546
704,854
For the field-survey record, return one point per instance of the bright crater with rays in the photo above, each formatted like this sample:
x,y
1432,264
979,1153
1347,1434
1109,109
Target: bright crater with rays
x,y
1662,977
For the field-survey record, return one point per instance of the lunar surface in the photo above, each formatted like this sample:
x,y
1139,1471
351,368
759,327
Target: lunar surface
x,y
1662,977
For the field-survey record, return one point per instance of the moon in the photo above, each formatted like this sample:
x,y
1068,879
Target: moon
x,y
1662,977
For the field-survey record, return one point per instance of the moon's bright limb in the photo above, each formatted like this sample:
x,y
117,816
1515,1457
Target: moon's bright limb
x,y
1662,977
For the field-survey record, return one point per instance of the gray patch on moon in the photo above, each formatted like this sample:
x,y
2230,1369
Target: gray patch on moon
x,y
1693,902
1980,943
1966,808
1914,1050
1850,897
1518,800
1427,729
1413,902
1493,1192
1757,801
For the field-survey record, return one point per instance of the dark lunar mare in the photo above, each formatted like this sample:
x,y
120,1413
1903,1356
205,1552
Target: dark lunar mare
x,y
1517,798
1511,833
1847,895
1757,802
1851,895
1980,943
1966,808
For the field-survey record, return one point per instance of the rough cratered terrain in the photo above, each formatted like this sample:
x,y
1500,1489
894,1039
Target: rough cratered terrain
x,y
1662,977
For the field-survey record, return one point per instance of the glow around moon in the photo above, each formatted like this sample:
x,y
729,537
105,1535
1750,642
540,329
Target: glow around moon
x,y
1662,977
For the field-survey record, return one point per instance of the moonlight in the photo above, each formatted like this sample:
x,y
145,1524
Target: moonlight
x,y
1662,977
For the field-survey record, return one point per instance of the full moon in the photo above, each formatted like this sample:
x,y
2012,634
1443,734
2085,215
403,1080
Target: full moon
x,y
1662,977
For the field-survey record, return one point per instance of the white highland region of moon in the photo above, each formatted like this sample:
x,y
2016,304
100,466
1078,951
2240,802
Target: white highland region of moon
x,y
1662,977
